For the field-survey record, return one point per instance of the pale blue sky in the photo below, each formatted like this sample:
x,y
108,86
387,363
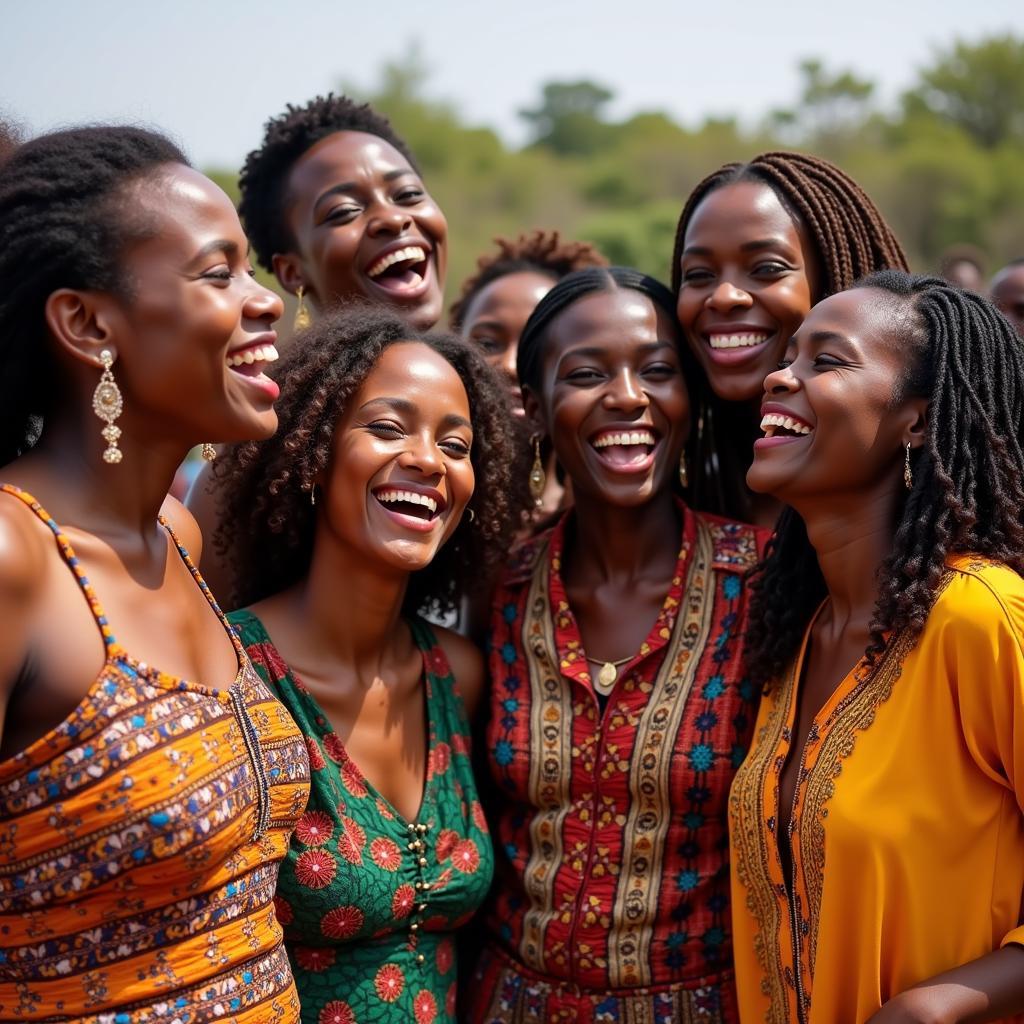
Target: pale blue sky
x,y
211,73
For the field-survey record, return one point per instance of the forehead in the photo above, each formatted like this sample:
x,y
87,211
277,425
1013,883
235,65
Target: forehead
x,y
612,319
510,294
410,369
341,157
875,320
741,211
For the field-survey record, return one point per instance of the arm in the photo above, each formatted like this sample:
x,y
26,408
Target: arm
x,y
467,665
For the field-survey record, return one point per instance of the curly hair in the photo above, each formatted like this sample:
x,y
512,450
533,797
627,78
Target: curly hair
x,y
968,477
65,220
539,252
10,137
268,483
264,179
850,239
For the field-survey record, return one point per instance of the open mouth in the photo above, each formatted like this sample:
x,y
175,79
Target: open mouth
x,y
411,508
401,271
251,362
720,342
778,425
627,451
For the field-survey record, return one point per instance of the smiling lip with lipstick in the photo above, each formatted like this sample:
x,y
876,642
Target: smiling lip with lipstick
x,y
411,506
402,270
781,426
729,344
626,449
249,361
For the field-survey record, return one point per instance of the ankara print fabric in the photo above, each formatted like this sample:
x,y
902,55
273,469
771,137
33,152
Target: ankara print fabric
x,y
370,902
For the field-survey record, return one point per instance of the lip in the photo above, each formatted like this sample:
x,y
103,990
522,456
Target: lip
x,y
267,338
782,410
633,468
267,388
400,292
411,522
736,356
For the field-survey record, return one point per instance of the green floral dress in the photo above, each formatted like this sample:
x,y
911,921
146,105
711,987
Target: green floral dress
x,y
370,902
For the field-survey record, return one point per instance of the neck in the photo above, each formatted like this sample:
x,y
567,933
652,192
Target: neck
x,y
616,544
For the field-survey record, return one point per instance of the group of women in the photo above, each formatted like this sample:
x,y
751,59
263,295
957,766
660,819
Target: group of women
x,y
744,740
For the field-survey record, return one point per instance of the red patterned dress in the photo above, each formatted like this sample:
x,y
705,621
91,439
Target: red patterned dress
x,y
612,894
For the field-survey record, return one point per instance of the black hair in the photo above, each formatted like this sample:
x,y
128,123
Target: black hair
x,y
64,223
268,483
850,238
264,178
968,476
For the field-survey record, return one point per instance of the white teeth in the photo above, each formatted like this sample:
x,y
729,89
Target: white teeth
x,y
263,354
412,252
630,438
771,421
736,340
410,496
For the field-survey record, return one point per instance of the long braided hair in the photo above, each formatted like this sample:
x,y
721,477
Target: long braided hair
x,y
850,239
968,476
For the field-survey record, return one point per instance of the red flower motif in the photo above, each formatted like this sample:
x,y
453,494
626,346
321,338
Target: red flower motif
x,y
460,744
424,1007
479,818
334,748
336,1012
341,922
403,901
466,857
316,759
314,958
384,810
440,759
351,841
385,854
314,828
449,1000
283,911
315,869
437,662
446,842
352,779
389,982
445,956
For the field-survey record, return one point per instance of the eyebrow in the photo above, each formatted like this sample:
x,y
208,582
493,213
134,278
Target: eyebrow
x,y
351,186
596,352
403,405
224,245
754,246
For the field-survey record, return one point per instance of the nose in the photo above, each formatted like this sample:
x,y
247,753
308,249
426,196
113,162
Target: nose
x,y
422,453
625,392
389,218
262,304
781,381
728,296
507,362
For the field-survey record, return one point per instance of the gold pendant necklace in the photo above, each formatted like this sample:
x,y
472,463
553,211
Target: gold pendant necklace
x,y
608,673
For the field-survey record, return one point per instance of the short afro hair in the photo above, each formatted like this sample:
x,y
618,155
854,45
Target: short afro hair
x,y
264,177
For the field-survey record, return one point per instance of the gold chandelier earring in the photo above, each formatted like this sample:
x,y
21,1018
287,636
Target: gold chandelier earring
x,y
538,478
302,318
208,452
108,404
908,476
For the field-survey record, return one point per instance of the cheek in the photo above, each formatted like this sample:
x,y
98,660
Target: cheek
x,y
335,262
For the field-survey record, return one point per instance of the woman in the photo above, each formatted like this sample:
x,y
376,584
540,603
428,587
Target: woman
x,y
358,514
757,245
877,827
618,710
493,308
336,208
149,781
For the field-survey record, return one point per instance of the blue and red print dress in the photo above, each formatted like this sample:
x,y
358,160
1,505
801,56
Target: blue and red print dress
x,y
370,902
612,894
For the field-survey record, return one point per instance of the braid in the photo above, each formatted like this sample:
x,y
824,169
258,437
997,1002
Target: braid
x,y
540,252
63,224
968,477
264,178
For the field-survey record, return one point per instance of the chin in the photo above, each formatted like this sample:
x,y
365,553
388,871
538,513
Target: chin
x,y
426,314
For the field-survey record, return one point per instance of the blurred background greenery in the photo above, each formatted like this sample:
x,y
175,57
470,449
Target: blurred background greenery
x,y
945,165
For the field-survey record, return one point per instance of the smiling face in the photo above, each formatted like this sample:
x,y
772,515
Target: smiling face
x,y
495,319
612,397
195,333
400,475
749,277
833,427
364,226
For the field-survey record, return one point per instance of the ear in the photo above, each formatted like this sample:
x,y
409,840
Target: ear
x,y
288,270
916,432
534,416
82,323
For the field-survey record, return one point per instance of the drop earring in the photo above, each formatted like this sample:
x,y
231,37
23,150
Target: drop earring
x,y
208,452
302,318
684,473
108,404
538,478
908,477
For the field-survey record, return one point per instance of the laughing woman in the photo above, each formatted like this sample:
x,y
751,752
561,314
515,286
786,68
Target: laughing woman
x,y
878,823
618,709
359,513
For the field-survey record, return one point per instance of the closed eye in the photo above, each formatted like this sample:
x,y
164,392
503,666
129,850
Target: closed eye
x,y
385,428
584,376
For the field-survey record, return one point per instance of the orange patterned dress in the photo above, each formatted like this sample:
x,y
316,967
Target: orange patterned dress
x,y
140,842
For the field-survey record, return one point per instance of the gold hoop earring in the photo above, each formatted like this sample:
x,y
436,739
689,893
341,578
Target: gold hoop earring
x,y
302,318
208,452
472,515
538,478
908,477
108,404
684,473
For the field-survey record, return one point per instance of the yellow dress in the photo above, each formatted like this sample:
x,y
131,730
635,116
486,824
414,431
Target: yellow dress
x,y
908,818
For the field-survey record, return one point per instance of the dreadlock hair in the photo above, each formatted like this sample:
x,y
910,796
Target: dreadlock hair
x,y
539,252
65,220
968,480
850,239
264,179
268,483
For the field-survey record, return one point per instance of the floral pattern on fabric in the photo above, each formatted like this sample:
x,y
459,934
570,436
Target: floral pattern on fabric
x,y
368,901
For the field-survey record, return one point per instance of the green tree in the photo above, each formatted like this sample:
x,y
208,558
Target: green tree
x,y
568,119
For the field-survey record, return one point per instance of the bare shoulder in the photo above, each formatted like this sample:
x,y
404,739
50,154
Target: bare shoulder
x,y
467,664
184,524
